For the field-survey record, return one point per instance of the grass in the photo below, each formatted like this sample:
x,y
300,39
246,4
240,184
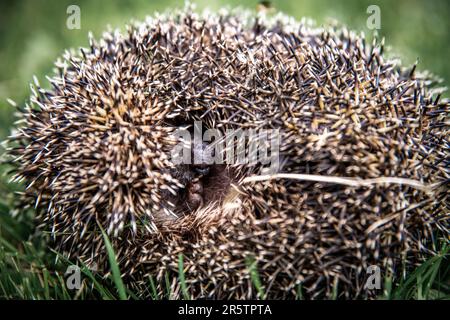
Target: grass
x,y
254,276
181,277
114,267
429,281
28,271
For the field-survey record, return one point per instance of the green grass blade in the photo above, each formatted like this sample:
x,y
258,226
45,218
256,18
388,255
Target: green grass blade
x,y
153,292
117,278
169,291
254,276
46,288
182,278
105,293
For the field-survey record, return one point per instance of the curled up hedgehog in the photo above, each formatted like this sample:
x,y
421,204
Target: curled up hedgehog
x,y
362,176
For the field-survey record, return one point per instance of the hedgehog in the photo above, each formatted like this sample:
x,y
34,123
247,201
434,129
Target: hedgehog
x,y
363,151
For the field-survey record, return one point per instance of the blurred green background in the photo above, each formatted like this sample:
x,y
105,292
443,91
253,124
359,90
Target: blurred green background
x,y
33,33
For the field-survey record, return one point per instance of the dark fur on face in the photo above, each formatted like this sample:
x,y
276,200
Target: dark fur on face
x,y
203,181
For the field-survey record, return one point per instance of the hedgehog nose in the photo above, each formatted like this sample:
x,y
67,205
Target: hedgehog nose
x,y
202,170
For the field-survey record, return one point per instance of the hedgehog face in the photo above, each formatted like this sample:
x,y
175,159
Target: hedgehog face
x,y
204,182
